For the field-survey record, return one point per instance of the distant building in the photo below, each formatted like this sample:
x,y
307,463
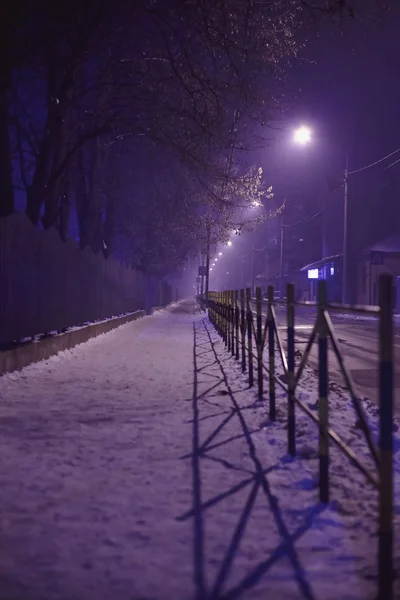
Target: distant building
x,y
382,257
328,269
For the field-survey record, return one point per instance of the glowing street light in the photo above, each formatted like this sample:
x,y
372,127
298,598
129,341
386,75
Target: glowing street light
x,y
302,135
220,254
215,259
229,243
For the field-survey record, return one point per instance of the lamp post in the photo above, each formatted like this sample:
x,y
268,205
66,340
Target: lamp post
x,y
302,136
345,234
208,259
281,263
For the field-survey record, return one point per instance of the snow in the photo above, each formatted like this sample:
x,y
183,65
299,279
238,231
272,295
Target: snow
x,y
127,473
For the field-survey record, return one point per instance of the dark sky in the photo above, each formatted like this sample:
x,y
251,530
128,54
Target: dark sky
x,y
346,86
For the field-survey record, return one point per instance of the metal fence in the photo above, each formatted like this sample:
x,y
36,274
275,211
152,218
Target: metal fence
x,y
240,327
48,285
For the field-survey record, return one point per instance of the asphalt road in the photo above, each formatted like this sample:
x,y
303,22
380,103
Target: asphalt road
x,y
358,338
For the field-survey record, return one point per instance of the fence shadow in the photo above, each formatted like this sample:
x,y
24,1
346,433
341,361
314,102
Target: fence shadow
x,y
255,479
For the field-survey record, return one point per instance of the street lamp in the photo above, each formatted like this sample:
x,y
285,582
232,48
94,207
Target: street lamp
x,y
229,243
302,135
220,254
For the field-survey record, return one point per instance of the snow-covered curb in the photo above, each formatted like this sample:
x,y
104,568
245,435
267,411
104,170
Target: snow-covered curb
x,y
17,358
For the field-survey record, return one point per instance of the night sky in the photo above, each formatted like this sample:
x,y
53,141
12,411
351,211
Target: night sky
x,y
343,84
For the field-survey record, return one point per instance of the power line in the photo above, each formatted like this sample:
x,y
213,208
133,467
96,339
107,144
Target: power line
x,y
305,220
392,164
375,163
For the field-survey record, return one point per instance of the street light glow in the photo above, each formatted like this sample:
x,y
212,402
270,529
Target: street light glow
x,y
229,243
220,254
215,259
302,135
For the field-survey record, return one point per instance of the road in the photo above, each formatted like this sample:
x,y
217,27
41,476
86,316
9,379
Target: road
x,y
358,338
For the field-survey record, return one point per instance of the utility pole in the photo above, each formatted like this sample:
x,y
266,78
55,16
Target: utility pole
x,y
253,271
324,228
202,276
345,266
208,259
281,263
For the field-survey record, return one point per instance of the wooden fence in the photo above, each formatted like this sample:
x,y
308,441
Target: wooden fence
x,y
48,285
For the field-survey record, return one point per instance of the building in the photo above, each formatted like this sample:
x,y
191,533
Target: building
x,y
382,257
328,269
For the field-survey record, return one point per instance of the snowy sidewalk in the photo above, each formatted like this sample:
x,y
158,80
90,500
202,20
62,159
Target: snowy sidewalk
x,y
138,466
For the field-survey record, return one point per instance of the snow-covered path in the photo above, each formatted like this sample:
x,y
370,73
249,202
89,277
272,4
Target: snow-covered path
x,y
138,466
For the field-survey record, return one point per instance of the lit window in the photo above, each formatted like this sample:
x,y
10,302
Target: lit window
x,y
312,273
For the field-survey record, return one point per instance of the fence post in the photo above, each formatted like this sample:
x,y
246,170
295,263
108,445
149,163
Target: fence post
x,y
271,354
237,323
215,305
220,313
225,313
228,318
290,374
249,336
323,395
232,293
243,329
385,569
259,343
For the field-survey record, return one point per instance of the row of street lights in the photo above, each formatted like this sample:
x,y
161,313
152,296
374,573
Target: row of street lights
x,y
214,260
302,136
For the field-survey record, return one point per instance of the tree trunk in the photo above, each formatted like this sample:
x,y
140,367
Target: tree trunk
x,y
109,225
81,199
36,193
94,200
62,122
65,207
6,180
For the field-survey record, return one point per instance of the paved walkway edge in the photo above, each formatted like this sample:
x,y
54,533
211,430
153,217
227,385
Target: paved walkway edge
x,y
22,356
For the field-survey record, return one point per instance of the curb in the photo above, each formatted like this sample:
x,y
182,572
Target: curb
x,y
22,356
154,309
